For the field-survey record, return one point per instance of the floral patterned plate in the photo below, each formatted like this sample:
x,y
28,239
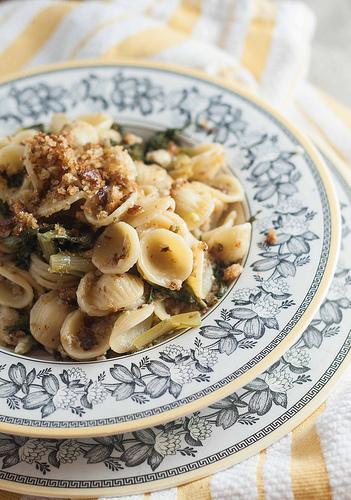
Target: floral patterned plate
x,y
203,442
287,186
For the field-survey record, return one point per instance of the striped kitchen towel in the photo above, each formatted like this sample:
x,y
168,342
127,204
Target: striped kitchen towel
x,y
264,45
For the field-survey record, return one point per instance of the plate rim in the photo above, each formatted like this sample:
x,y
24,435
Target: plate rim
x,y
207,470
335,237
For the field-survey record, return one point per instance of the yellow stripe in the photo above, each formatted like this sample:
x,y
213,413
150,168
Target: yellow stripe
x,y
146,44
343,112
258,42
309,475
33,37
153,40
198,490
185,16
261,494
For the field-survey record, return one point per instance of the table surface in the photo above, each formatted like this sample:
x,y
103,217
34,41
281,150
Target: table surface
x,y
331,48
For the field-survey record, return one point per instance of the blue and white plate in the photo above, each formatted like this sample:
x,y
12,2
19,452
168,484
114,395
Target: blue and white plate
x,y
203,442
287,187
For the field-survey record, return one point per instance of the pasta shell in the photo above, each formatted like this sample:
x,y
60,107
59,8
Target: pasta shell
x,y
52,206
117,249
99,120
206,161
228,221
85,297
128,326
11,158
229,244
15,291
79,133
58,121
171,221
227,188
46,318
149,208
23,135
40,272
153,175
193,203
201,278
165,258
160,310
109,135
113,292
8,317
118,160
99,296
84,338
99,219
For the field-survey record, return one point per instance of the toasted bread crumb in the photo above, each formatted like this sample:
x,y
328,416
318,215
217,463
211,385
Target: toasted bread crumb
x,y
232,272
271,237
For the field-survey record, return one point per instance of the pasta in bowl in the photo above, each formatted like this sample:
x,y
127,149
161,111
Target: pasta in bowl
x,y
109,241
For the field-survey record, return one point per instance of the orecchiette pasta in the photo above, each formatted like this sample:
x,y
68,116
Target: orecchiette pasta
x,y
46,318
110,241
80,133
102,295
165,258
15,291
229,244
193,203
102,218
153,175
128,326
117,249
11,158
148,209
83,337
201,278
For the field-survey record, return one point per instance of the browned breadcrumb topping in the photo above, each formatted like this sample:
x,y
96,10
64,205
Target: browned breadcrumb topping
x,y
59,170
271,237
216,249
173,148
68,295
132,139
178,183
232,272
22,220
14,337
136,209
92,328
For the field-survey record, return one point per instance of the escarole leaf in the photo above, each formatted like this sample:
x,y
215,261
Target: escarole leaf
x,y
22,246
70,264
175,322
160,140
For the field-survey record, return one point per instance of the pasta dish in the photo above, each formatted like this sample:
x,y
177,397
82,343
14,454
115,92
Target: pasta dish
x,y
110,241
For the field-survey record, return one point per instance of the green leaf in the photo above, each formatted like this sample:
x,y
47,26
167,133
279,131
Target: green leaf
x,y
35,126
14,181
22,246
160,140
4,209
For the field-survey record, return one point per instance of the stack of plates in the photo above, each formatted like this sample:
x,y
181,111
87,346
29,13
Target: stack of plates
x,y
264,358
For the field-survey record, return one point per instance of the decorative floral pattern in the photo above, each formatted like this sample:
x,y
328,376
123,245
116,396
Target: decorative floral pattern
x,y
177,443
184,436
267,305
